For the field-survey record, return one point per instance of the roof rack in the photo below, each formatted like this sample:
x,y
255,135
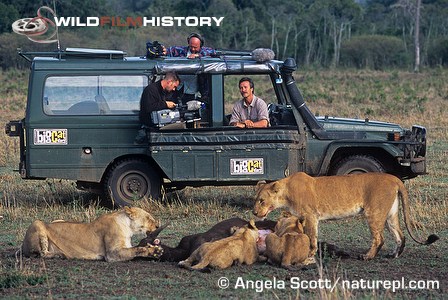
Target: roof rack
x,y
75,53
260,55
227,52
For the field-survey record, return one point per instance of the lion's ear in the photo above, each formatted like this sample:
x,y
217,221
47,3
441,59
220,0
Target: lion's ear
x,y
259,185
301,222
129,211
276,187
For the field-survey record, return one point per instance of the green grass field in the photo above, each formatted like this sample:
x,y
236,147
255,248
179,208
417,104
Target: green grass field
x,y
396,96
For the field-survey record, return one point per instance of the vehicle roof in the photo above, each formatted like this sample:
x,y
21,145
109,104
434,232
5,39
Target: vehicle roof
x,y
95,59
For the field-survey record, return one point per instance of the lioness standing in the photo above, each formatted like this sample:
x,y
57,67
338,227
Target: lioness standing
x,y
376,195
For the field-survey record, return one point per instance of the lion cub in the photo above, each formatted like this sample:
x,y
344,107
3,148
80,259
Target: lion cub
x,y
288,245
241,248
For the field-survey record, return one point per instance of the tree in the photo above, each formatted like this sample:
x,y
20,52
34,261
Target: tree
x,y
417,37
412,8
342,13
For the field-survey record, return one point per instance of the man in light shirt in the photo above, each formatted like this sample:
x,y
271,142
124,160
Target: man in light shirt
x,y
251,111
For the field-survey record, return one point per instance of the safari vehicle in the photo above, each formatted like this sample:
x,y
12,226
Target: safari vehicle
x,y
82,120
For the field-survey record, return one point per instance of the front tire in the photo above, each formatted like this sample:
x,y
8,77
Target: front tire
x,y
131,180
357,164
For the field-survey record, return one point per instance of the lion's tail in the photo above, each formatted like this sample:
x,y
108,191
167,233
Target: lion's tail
x,y
407,218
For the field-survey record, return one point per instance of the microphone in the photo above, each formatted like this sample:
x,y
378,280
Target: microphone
x,y
262,55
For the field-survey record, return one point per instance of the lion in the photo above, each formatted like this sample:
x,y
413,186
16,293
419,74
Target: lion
x,y
288,245
376,195
106,238
240,247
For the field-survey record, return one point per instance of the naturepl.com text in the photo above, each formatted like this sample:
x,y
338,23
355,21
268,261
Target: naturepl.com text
x,y
295,283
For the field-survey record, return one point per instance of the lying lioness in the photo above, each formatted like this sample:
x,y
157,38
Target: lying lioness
x,y
108,237
241,248
376,195
288,245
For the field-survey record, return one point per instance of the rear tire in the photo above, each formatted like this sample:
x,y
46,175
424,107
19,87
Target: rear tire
x,y
357,164
131,180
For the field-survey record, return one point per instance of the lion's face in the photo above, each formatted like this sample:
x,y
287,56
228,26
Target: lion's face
x,y
238,231
141,220
267,199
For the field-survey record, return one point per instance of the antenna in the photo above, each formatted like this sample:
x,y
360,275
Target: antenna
x,y
56,25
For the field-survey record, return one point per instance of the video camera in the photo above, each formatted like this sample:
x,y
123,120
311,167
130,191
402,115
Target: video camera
x,y
188,113
154,49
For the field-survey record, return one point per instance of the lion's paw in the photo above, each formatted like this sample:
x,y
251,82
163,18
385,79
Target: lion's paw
x,y
154,251
309,261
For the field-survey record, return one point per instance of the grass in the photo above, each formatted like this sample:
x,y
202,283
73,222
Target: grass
x,y
396,96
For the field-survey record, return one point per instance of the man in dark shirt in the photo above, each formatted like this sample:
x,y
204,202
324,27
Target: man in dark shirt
x,y
155,95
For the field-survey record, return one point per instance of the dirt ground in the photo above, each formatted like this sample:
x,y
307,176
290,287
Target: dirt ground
x,y
419,273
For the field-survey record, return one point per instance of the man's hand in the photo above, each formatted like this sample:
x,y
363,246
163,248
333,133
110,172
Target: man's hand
x,y
249,124
170,104
245,124
193,55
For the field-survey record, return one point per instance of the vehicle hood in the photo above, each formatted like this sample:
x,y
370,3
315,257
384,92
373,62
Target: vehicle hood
x,y
366,128
334,123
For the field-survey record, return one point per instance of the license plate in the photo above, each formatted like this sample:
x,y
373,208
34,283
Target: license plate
x,y
50,136
246,166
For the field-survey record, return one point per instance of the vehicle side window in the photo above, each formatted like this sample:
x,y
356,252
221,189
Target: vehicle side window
x,y
93,95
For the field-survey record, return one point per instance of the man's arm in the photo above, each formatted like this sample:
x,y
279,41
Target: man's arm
x,y
155,100
262,114
236,119
207,51
176,51
258,124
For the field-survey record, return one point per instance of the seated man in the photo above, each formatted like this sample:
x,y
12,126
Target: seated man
x,y
155,95
251,111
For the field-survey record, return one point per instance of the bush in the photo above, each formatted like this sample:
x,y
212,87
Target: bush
x,y
9,43
375,52
438,53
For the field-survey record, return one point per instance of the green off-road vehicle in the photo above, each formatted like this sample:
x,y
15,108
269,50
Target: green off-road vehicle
x,y
82,124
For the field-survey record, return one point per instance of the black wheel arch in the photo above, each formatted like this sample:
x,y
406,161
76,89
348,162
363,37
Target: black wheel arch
x,y
145,158
388,162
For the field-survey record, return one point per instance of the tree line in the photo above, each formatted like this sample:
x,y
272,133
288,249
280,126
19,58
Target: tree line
x,y
373,34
